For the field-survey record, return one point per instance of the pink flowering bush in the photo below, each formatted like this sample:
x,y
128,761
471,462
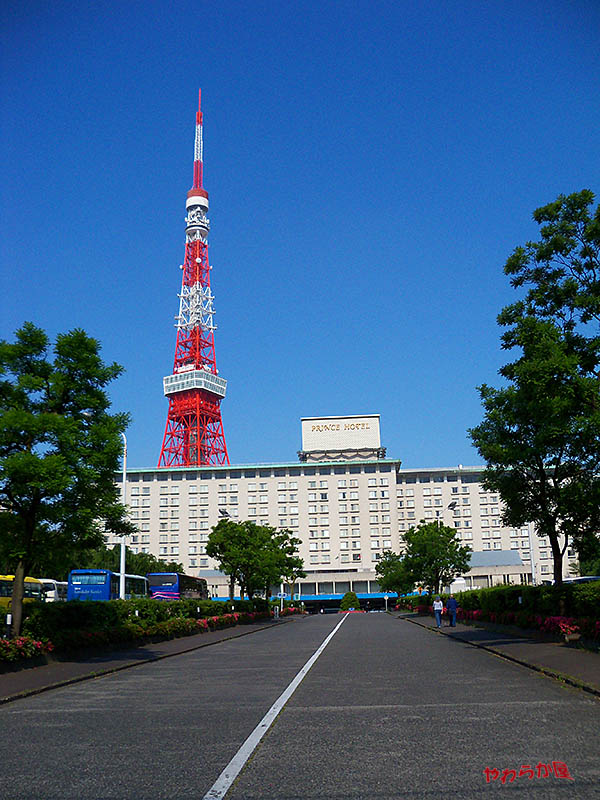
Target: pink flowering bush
x,y
23,647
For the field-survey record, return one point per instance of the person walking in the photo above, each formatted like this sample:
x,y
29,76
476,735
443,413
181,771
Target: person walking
x,y
451,606
438,607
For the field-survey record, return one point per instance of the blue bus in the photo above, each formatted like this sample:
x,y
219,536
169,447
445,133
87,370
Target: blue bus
x,y
176,586
103,584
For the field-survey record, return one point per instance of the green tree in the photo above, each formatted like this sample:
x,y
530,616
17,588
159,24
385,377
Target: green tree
x,y
540,436
393,574
135,563
286,563
434,556
59,452
254,556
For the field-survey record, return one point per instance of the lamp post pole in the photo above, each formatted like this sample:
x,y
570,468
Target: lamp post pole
x,y
122,567
531,559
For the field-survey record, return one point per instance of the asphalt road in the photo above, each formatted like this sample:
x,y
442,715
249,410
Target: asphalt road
x,y
389,710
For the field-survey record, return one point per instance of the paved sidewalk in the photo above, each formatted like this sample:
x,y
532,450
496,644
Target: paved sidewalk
x,y
34,680
577,667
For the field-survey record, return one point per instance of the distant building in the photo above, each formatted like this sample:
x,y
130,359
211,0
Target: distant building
x,y
344,499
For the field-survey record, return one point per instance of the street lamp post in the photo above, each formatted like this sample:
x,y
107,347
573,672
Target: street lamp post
x,y
122,567
531,559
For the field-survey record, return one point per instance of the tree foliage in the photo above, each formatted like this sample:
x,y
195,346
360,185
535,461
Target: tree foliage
x,y
540,436
59,451
254,556
135,563
434,556
393,574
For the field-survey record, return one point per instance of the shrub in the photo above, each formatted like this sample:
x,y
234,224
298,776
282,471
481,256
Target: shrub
x,y
23,647
349,600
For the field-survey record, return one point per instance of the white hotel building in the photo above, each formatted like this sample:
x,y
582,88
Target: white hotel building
x,y
347,503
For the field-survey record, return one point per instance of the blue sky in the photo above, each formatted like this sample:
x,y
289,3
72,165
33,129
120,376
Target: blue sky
x,y
371,165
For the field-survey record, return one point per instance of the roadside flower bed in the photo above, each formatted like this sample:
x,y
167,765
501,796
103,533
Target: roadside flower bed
x,y
23,647
129,631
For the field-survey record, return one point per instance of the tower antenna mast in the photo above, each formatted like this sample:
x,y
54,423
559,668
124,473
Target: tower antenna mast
x,y
194,430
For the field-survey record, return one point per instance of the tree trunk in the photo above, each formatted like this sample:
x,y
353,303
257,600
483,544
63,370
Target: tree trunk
x,y
558,559
231,588
17,600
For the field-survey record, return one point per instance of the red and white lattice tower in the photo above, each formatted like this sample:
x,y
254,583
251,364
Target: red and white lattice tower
x,y
194,432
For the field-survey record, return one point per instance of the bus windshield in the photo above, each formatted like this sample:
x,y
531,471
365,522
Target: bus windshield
x,y
89,578
162,579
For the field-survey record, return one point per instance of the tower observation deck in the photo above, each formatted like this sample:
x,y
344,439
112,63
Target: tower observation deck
x,y
194,430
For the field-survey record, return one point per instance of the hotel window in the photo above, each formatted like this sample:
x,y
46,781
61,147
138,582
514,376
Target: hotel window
x,y
355,520
324,509
354,507
341,484
314,559
355,556
387,543
262,487
373,495
263,498
374,519
345,558
293,509
251,487
372,482
293,484
281,485
312,484
344,545
384,493
343,507
356,545
374,544
373,507
322,484
325,545
385,518
343,520
313,545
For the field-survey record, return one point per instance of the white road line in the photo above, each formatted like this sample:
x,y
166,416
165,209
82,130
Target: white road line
x,y
223,783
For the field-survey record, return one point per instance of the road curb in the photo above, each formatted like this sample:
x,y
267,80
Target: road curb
x,y
110,670
550,673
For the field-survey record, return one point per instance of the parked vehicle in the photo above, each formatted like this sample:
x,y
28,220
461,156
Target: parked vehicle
x,y
54,591
32,591
103,584
176,586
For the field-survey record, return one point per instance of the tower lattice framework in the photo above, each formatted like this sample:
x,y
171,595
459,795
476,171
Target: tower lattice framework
x,y
194,431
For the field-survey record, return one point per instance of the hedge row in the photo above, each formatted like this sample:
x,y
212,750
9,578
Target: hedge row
x,y
569,600
138,629
51,620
